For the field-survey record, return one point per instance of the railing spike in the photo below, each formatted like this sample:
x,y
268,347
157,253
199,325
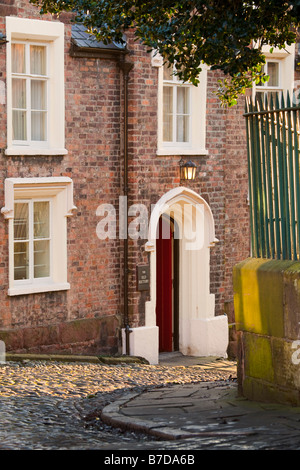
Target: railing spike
x,y
295,98
266,102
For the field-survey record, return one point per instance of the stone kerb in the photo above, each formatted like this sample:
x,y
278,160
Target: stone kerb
x,y
267,316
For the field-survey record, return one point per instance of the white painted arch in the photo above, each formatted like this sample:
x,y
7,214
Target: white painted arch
x,y
168,200
201,333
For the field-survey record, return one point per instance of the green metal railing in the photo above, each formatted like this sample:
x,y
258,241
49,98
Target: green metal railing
x,y
273,131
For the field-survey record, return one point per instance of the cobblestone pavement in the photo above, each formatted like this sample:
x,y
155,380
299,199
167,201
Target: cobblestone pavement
x,y
56,405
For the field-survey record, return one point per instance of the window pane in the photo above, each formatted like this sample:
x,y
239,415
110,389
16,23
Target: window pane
x,y
41,258
273,72
38,95
168,100
168,114
19,93
38,60
183,109
19,125
18,58
21,221
41,219
38,117
38,126
183,100
182,134
21,260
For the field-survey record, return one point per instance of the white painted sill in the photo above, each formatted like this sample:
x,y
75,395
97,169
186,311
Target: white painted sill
x,y
36,289
26,151
180,151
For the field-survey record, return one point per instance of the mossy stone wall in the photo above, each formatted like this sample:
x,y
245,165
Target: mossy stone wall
x,y
267,316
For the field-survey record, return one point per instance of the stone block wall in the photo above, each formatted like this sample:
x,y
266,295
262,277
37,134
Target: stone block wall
x,y
267,315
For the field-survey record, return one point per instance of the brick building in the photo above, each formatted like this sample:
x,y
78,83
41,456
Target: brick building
x,y
89,133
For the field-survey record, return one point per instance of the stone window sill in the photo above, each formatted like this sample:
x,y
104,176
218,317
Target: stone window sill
x,y
30,151
167,151
38,288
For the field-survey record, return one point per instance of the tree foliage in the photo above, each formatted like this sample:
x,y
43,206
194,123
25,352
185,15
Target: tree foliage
x,y
189,33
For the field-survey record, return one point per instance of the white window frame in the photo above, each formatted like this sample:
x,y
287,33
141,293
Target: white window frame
x,y
198,94
60,191
51,34
286,59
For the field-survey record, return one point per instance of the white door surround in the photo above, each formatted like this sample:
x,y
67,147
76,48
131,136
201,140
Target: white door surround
x,y
201,333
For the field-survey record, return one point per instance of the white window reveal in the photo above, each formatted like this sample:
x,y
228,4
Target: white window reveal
x,y
35,87
37,210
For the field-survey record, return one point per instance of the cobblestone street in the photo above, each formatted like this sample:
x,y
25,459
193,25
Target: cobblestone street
x,y
56,405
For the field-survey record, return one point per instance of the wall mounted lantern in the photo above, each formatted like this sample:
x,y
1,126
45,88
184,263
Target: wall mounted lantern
x,y
187,170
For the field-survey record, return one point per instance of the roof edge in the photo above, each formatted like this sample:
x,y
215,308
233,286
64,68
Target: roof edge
x,y
97,53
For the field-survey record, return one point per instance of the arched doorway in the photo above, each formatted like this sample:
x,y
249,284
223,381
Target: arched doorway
x,y
200,332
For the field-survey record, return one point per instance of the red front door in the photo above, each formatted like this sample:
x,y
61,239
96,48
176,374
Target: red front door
x,y
164,294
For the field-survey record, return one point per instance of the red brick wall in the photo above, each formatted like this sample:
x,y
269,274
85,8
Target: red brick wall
x,y
92,93
94,139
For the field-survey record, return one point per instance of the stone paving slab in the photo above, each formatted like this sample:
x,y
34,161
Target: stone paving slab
x,y
211,410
